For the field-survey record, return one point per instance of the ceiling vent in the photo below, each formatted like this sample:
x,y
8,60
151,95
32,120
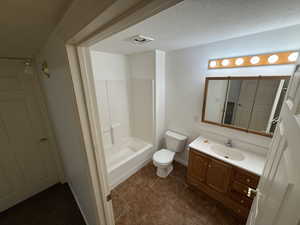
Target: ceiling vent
x,y
140,39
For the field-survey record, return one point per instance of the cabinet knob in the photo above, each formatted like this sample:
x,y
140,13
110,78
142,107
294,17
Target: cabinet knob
x,y
248,180
209,166
251,192
242,201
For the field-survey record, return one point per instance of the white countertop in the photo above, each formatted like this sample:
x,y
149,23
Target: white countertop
x,y
252,162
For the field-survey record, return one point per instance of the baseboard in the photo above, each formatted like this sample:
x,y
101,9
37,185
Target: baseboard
x,y
78,204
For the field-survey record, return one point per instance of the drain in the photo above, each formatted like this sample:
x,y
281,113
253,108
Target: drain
x,y
226,157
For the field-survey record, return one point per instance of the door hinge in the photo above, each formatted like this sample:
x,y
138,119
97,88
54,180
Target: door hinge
x,y
108,197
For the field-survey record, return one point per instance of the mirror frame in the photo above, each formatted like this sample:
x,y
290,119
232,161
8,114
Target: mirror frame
x,y
207,79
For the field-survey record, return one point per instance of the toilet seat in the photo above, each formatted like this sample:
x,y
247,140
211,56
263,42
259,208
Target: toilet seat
x,y
163,156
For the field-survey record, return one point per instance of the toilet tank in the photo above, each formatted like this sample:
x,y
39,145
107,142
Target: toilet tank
x,y
174,141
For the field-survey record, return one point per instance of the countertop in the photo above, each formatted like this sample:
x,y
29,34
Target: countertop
x,y
252,162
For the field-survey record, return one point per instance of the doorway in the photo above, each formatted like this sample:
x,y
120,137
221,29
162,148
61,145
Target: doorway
x,y
96,134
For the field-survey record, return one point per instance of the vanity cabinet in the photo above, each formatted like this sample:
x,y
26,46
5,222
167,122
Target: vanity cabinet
x,y
218,175
221,181
198,167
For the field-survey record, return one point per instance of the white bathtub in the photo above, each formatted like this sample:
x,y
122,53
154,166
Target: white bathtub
x,y
126,158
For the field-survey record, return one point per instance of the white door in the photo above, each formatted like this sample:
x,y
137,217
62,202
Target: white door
x,y
216,96
27,165
278,195
245,103
264,99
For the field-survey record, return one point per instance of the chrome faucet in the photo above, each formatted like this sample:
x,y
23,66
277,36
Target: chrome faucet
x,y
229,143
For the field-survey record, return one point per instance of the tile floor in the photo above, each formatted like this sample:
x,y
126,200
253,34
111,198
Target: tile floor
x,y
54,206
145,199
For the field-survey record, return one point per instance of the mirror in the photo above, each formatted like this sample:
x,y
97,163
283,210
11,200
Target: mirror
x,y
250,104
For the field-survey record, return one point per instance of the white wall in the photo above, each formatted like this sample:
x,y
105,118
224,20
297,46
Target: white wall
x,y
111,73
142,74
125,87
148,95
63,113
109,66
142,65
160,97
186,71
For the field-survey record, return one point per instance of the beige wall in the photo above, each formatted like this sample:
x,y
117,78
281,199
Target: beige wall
x,y
79,14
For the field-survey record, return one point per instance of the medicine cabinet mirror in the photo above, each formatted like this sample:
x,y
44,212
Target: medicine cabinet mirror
x,y
250,104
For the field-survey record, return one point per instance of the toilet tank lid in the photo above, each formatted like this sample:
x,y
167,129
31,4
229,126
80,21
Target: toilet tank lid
x,y
176,135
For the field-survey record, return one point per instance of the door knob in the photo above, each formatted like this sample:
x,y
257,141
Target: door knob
x,y
43,139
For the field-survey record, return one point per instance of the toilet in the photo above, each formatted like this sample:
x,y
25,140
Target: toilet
x,y
163,158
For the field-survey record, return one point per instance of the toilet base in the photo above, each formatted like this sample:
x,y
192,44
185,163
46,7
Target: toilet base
x,y
163,172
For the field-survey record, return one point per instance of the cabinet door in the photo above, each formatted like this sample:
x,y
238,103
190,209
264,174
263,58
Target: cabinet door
x,y
197,166
218,175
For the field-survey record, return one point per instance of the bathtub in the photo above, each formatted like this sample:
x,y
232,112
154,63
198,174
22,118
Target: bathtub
x,y
125,158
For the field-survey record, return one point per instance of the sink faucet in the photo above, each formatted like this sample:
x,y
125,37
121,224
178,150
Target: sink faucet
x,y
229,143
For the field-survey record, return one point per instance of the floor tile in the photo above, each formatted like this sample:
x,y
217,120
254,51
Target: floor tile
x,y
145,199
179,171
54,206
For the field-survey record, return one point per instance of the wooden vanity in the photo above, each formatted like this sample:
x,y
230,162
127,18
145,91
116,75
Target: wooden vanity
x,y
221,181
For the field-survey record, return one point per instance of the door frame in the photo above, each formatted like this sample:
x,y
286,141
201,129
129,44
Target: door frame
x,y
77,49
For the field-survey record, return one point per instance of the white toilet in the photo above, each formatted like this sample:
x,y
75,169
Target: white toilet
x,y
163,158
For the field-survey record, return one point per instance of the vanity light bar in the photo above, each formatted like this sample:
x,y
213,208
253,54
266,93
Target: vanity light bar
x,y
278,58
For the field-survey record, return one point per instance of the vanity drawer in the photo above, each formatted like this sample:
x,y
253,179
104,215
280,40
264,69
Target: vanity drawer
x,y
241,199
246,178
239,188
241,211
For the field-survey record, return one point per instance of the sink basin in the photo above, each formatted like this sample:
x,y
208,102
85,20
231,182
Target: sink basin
x,y
227,152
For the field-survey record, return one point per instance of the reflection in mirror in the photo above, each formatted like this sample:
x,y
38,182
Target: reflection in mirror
x,y
275,118
268,102
241,94
216,95
264,101
251,104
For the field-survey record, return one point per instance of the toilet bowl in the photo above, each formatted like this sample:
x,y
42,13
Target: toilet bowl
x,y
163,158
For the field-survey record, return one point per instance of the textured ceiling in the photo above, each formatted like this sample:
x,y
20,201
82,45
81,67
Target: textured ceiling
x,y
195,22
26,24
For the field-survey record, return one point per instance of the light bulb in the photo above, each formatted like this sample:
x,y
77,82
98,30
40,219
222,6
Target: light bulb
x,y
225,62
239,61
254,60
293,56
213,64
273,59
